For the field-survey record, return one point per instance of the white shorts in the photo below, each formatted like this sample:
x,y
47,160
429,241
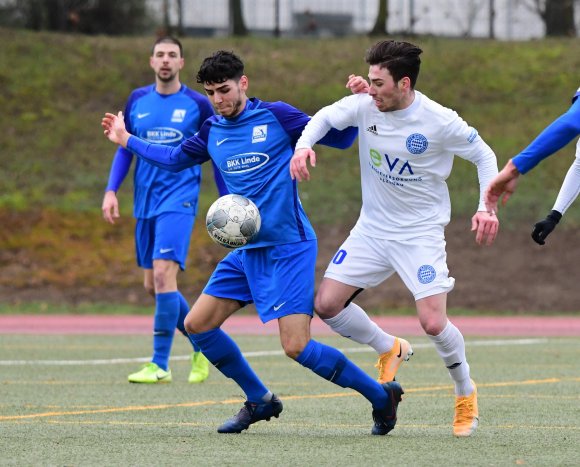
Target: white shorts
x,y
420,262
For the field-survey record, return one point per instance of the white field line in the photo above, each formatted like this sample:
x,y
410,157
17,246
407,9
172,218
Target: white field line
x,y
256,354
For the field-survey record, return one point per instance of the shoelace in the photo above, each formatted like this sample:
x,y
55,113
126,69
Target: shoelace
x,y
463,410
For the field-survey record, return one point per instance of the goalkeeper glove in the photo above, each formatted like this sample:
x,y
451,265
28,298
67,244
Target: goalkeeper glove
x,y
544,227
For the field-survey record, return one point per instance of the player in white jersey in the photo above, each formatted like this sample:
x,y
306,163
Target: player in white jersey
x,y
407,143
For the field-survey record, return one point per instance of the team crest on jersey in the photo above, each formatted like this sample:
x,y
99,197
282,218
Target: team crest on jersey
x,y
178,115
259,133
426,274
245,162
417,143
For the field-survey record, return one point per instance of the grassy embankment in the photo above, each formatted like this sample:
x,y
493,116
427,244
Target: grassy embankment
x,y
55,160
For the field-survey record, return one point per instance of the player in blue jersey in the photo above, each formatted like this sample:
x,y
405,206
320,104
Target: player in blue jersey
x,y
277,270
554,137
165,203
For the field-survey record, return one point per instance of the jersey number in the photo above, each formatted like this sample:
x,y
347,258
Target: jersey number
x,y
339,257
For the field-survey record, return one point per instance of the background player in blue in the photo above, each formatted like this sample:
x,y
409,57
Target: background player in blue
x,y
165,203
252,142
554,137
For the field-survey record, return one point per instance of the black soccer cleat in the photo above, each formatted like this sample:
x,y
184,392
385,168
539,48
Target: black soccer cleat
x,y
385,419
252,413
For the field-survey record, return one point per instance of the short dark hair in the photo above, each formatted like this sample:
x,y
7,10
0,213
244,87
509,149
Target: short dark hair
x,y
400,58
219,67
168,40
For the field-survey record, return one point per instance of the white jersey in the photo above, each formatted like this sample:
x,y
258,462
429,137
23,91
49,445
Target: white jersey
x,y
405,158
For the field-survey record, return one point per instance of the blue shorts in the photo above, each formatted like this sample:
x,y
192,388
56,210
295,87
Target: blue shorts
x,y
163,237
278,279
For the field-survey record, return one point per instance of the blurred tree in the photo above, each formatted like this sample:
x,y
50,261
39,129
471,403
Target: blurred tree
x,y
237,18
558,16
380,27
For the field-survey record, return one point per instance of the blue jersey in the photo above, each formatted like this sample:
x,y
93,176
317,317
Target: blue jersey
x,y
165,119
253,152
557,135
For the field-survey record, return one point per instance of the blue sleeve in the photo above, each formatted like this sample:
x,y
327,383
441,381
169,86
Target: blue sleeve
x,y
557,135
192,151
119,169
340,139
294,121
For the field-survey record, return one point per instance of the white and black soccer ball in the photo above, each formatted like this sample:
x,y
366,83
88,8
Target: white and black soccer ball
x,y
233,221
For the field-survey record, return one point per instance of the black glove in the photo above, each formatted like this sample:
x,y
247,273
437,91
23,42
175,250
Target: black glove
x,y
543,228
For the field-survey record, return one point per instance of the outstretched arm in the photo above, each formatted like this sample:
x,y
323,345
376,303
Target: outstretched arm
x,y
174,159
557,135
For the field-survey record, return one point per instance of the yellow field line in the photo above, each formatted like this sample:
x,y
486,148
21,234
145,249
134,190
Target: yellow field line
x,y
297,397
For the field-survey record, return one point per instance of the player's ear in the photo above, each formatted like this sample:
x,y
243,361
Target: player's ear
x,y
244,83
404,83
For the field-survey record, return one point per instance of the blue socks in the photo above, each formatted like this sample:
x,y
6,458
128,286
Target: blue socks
x,y
183,310
225,355
323,360
331,364
167,307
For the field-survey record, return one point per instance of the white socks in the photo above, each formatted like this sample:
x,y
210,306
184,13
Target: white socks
x,y
354,323
451,347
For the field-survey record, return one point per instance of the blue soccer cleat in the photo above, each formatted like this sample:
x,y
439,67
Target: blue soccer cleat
x,y
252,413
385,419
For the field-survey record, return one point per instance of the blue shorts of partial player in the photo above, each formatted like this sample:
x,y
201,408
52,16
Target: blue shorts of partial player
x,y
165,236
278,279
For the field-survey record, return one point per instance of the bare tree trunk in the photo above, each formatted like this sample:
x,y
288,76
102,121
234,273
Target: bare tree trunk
x,y
166,25
492,19
237,18
180,17
559,18
380,27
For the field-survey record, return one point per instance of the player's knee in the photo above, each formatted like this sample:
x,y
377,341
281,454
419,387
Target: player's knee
x,y
326,307
190,325
294,345
432,326
160,280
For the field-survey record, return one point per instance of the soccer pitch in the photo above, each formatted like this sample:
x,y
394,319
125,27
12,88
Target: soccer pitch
x,y
65,401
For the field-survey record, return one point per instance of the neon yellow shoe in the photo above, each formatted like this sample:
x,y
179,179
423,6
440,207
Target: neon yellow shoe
x,y
199,368
150,374
466,414
389,362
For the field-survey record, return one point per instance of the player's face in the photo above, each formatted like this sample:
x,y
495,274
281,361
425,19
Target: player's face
x,y
387,94
166,61
229,97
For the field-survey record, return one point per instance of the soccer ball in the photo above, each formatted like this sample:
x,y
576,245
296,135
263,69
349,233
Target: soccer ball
x,y
233,221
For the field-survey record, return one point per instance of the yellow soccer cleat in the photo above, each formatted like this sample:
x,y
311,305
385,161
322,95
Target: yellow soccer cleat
x,y
199,368
150,374
466,414
389,362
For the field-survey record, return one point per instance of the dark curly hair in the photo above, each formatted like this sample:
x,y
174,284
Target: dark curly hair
x,y
219,67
